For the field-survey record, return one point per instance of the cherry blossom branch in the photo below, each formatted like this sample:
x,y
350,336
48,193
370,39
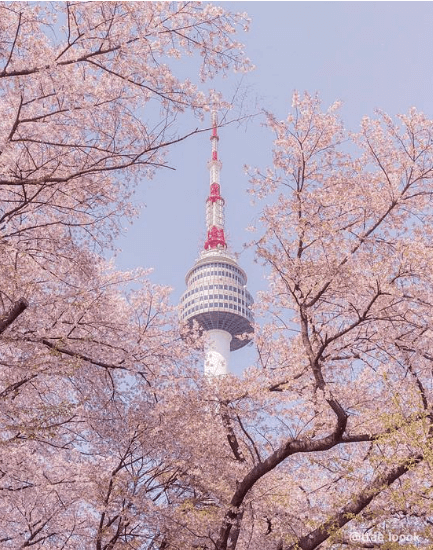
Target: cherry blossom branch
x,y
361,240
259,458
355,506
133,161
14,387
102,523
78,355
80,59
20,15
314,360
361,318
231,436
16,310
259,470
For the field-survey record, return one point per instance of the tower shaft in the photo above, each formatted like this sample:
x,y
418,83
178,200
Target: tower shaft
x,y
217,350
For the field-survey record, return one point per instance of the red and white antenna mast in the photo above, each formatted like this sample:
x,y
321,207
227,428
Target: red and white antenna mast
x,y
215,203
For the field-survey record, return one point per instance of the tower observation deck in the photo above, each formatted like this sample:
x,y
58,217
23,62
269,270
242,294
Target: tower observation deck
x,y
216,295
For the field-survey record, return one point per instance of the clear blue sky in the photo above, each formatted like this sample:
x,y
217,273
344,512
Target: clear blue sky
x,y
367,54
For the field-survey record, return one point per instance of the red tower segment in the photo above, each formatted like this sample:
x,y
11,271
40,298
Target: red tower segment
x,y
215,203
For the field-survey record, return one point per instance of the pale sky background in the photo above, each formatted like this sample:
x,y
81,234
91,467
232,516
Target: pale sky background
x,y
367,54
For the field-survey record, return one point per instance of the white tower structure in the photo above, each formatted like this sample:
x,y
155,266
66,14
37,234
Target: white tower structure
x,y
216,295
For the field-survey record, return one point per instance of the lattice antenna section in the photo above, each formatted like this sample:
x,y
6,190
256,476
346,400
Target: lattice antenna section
x,y
215,203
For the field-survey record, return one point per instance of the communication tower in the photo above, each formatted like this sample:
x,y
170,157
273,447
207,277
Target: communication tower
x,y
216,295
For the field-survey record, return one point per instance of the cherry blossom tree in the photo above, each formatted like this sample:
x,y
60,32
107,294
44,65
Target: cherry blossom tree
x,y
326,442
346,356
88,92
90,103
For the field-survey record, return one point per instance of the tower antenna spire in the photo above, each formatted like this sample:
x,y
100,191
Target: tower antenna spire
x,y
214,202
